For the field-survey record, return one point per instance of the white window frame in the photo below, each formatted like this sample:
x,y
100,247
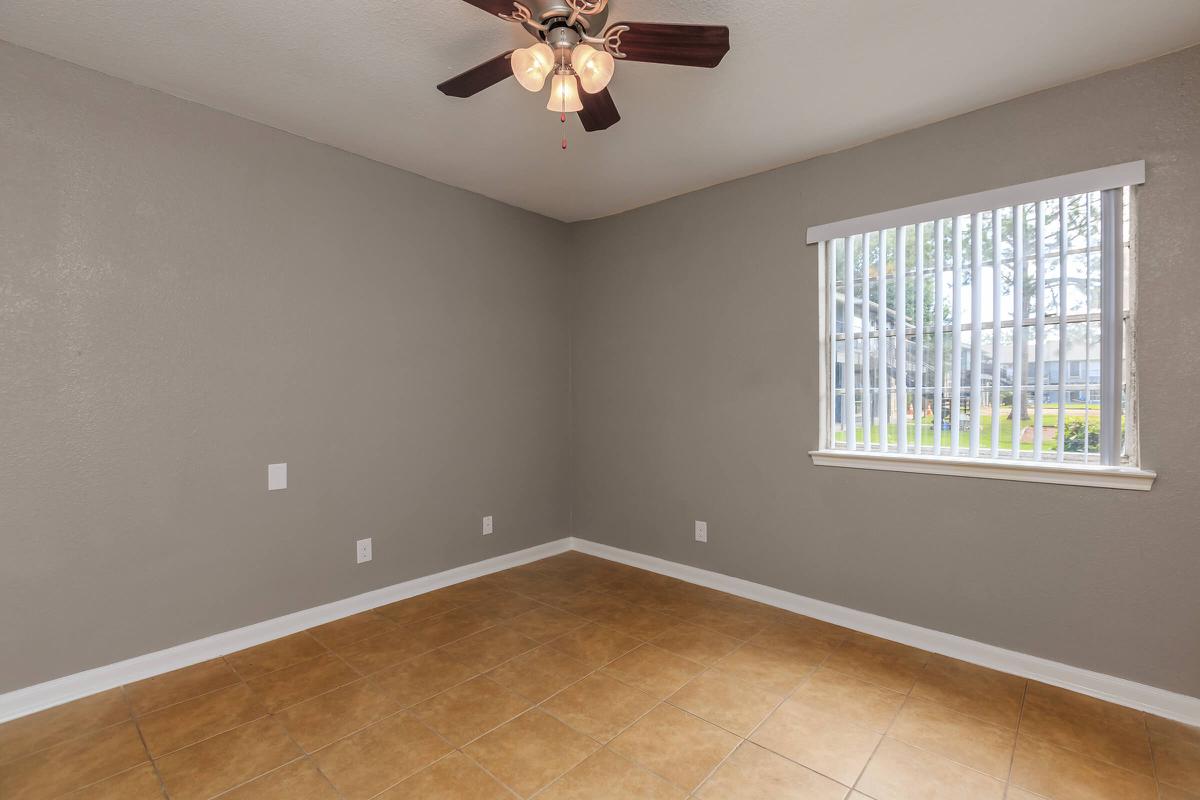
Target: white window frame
x,y
1110,182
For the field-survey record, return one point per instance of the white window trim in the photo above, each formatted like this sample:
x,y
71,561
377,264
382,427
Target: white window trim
x,y
1034,472
1132,173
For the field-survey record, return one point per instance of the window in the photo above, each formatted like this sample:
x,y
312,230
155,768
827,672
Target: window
x,y
985,335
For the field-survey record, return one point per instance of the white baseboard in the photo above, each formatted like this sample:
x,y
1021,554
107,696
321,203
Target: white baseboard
x,y
41,696
1106,687
1175,706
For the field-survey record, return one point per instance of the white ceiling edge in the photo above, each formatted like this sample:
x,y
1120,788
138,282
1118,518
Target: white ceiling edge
x,y
804,78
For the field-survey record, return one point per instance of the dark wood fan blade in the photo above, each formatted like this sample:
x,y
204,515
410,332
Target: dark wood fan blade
x,y
686,45
477,79
599,111
494,6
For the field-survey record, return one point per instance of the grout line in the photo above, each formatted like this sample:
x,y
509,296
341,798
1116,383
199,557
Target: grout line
x,y
225,792
137,726
1012,759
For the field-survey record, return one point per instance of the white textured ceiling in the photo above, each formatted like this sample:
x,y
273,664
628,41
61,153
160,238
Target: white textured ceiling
x,y
803,77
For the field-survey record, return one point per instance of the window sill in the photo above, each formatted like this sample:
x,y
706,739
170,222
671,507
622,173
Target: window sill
x,y
1035,472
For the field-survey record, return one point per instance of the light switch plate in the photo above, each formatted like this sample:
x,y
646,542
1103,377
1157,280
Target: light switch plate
x,y
363,547
276,477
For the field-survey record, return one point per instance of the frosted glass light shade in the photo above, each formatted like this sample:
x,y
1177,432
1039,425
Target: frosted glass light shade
x,y
594,67
531,65
564,94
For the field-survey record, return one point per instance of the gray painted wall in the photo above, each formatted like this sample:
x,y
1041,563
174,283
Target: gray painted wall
x,y
695,395
186,297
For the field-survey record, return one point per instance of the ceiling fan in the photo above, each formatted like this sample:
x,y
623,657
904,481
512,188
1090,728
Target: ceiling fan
x,y
580,54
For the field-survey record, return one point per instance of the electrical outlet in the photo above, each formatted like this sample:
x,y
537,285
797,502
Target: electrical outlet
x,y
276,477
487,525
701,531
364,550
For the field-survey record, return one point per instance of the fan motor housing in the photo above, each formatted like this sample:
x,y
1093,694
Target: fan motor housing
x,y
547,10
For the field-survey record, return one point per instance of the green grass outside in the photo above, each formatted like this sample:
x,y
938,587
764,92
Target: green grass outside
x,y
1049,438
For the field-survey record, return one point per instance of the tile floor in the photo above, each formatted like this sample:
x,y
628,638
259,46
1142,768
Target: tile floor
x,y
576,678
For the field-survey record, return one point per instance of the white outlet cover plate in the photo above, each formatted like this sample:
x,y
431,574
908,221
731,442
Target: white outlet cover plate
x,y
487,525
276,477
363,550
701,531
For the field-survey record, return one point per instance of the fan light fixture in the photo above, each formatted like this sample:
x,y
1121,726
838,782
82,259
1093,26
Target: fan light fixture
x,y
594,67
564,94
531,65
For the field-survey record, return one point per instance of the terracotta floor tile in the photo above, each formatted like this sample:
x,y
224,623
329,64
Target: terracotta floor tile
x,y
299,780
702,645
898,771
226,760
199,718
386,650
489,648
1014,793
505,606
640,623
676,745
420,678
531,751
454,777
827,744
139,783
731,704
376,758
768,669
1173,730
600,706
604,775
415,609
449,627
594,645
546,623
328,717
539,673
1052,697
967,740
653,670
587,604
732,622
754,773
877,661
302,681
550,590
855,701
1177,761
476,590
182,684
73,764
1166,792
277,654
27,735
809,644
470,709
980,692
1060,774
348,630
1120,742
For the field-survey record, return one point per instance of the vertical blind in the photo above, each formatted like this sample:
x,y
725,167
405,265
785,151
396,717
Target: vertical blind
x,y
994,334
